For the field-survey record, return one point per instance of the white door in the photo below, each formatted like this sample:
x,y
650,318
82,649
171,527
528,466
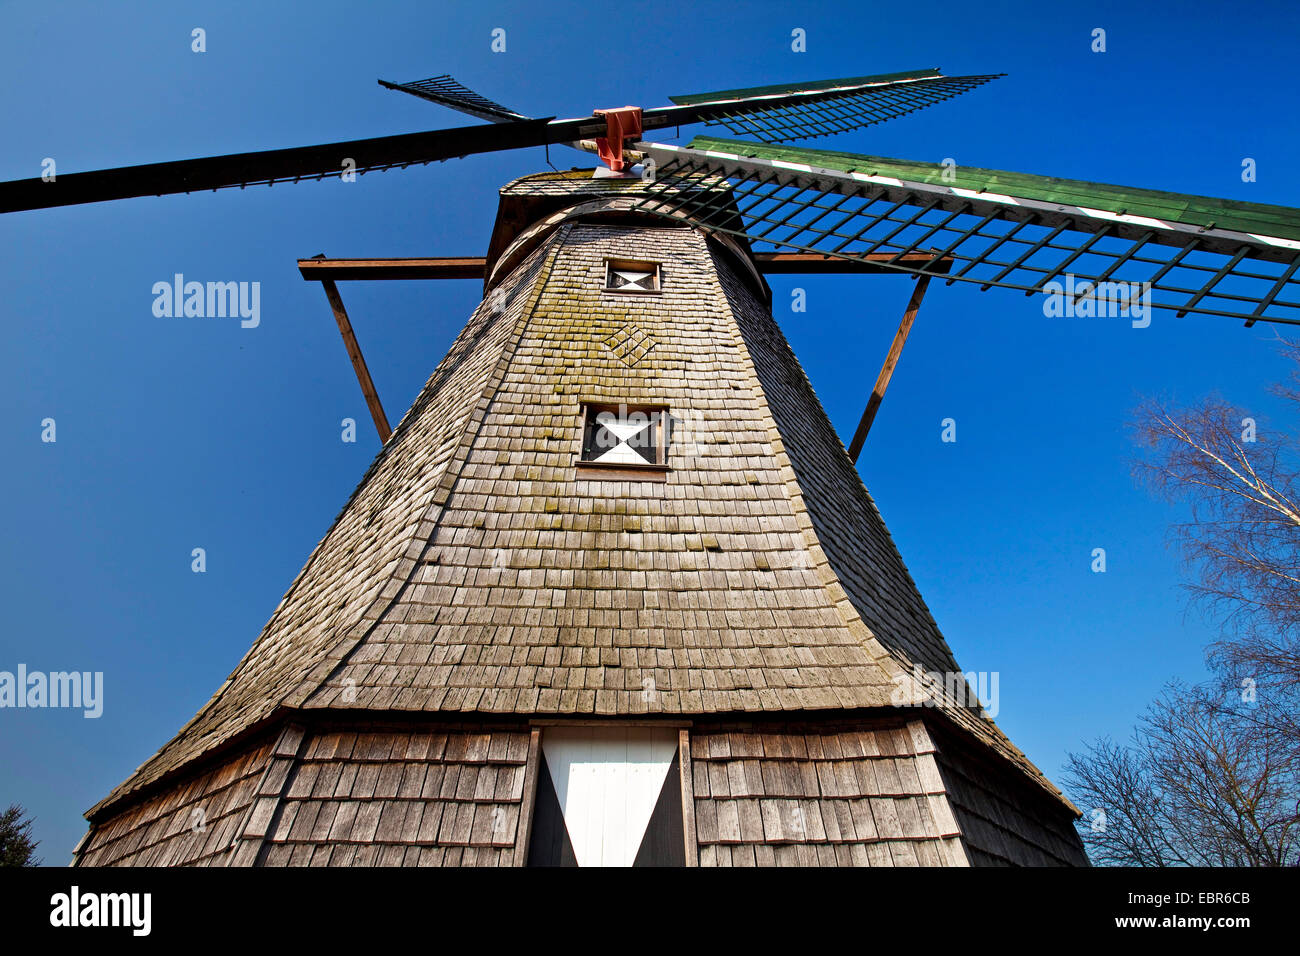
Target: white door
x,y
608,781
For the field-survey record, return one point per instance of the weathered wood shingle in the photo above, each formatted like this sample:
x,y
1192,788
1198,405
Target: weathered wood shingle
x,y
856,793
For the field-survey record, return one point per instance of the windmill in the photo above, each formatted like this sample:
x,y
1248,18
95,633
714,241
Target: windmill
x,y
612,592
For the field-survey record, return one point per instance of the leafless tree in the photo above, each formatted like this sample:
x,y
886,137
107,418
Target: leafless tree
x,y
1212,776
1204,782
1242,539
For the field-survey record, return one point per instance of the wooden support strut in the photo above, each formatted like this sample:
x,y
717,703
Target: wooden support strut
x,y
474,267
887,370
325,271
358,361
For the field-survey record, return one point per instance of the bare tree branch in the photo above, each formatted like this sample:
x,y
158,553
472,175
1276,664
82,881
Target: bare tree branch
x,y
1204,783
1212,776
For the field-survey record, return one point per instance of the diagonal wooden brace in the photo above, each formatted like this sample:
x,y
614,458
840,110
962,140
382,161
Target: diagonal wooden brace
x,y
358,361
887,370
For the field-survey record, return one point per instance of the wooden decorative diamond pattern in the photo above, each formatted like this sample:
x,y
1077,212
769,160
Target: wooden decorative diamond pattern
x,y
631,344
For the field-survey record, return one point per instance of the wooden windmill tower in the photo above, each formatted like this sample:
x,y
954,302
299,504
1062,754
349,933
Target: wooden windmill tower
x,y
613,592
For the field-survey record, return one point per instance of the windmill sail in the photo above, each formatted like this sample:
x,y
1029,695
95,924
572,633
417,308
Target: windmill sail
x,y
779,114
446,91
266,167
849,104
1087,241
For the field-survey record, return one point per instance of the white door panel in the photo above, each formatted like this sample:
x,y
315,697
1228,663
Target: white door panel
x,y
608,781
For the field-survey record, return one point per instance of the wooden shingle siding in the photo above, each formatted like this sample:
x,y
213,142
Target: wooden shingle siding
x,y
353,567
334,798
547,594
190,824
851,537
849,794
860,564
251,833
1004,820
397,798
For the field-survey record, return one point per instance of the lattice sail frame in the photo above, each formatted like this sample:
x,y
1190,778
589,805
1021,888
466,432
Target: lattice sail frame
x,y
991,238
796,109
806,111
446,90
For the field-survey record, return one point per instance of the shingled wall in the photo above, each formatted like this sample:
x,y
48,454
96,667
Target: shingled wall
x,y
543,593
853,791
369,552
191,823
392,798
1004,819
858,793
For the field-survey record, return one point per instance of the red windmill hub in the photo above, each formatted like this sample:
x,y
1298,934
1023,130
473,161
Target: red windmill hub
x,y
621,126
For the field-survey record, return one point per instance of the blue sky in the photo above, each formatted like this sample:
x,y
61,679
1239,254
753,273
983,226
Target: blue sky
x,y
182,433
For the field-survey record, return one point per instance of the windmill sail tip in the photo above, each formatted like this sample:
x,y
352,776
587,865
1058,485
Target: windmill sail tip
x,y
445,90
808,110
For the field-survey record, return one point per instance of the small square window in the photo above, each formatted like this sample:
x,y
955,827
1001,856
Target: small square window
x,y
627,438
627,275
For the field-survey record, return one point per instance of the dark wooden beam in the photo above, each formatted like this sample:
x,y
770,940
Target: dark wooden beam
x,y
458,267
814,263
358,361
283,165
887,370
689,831
524,829
472,267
